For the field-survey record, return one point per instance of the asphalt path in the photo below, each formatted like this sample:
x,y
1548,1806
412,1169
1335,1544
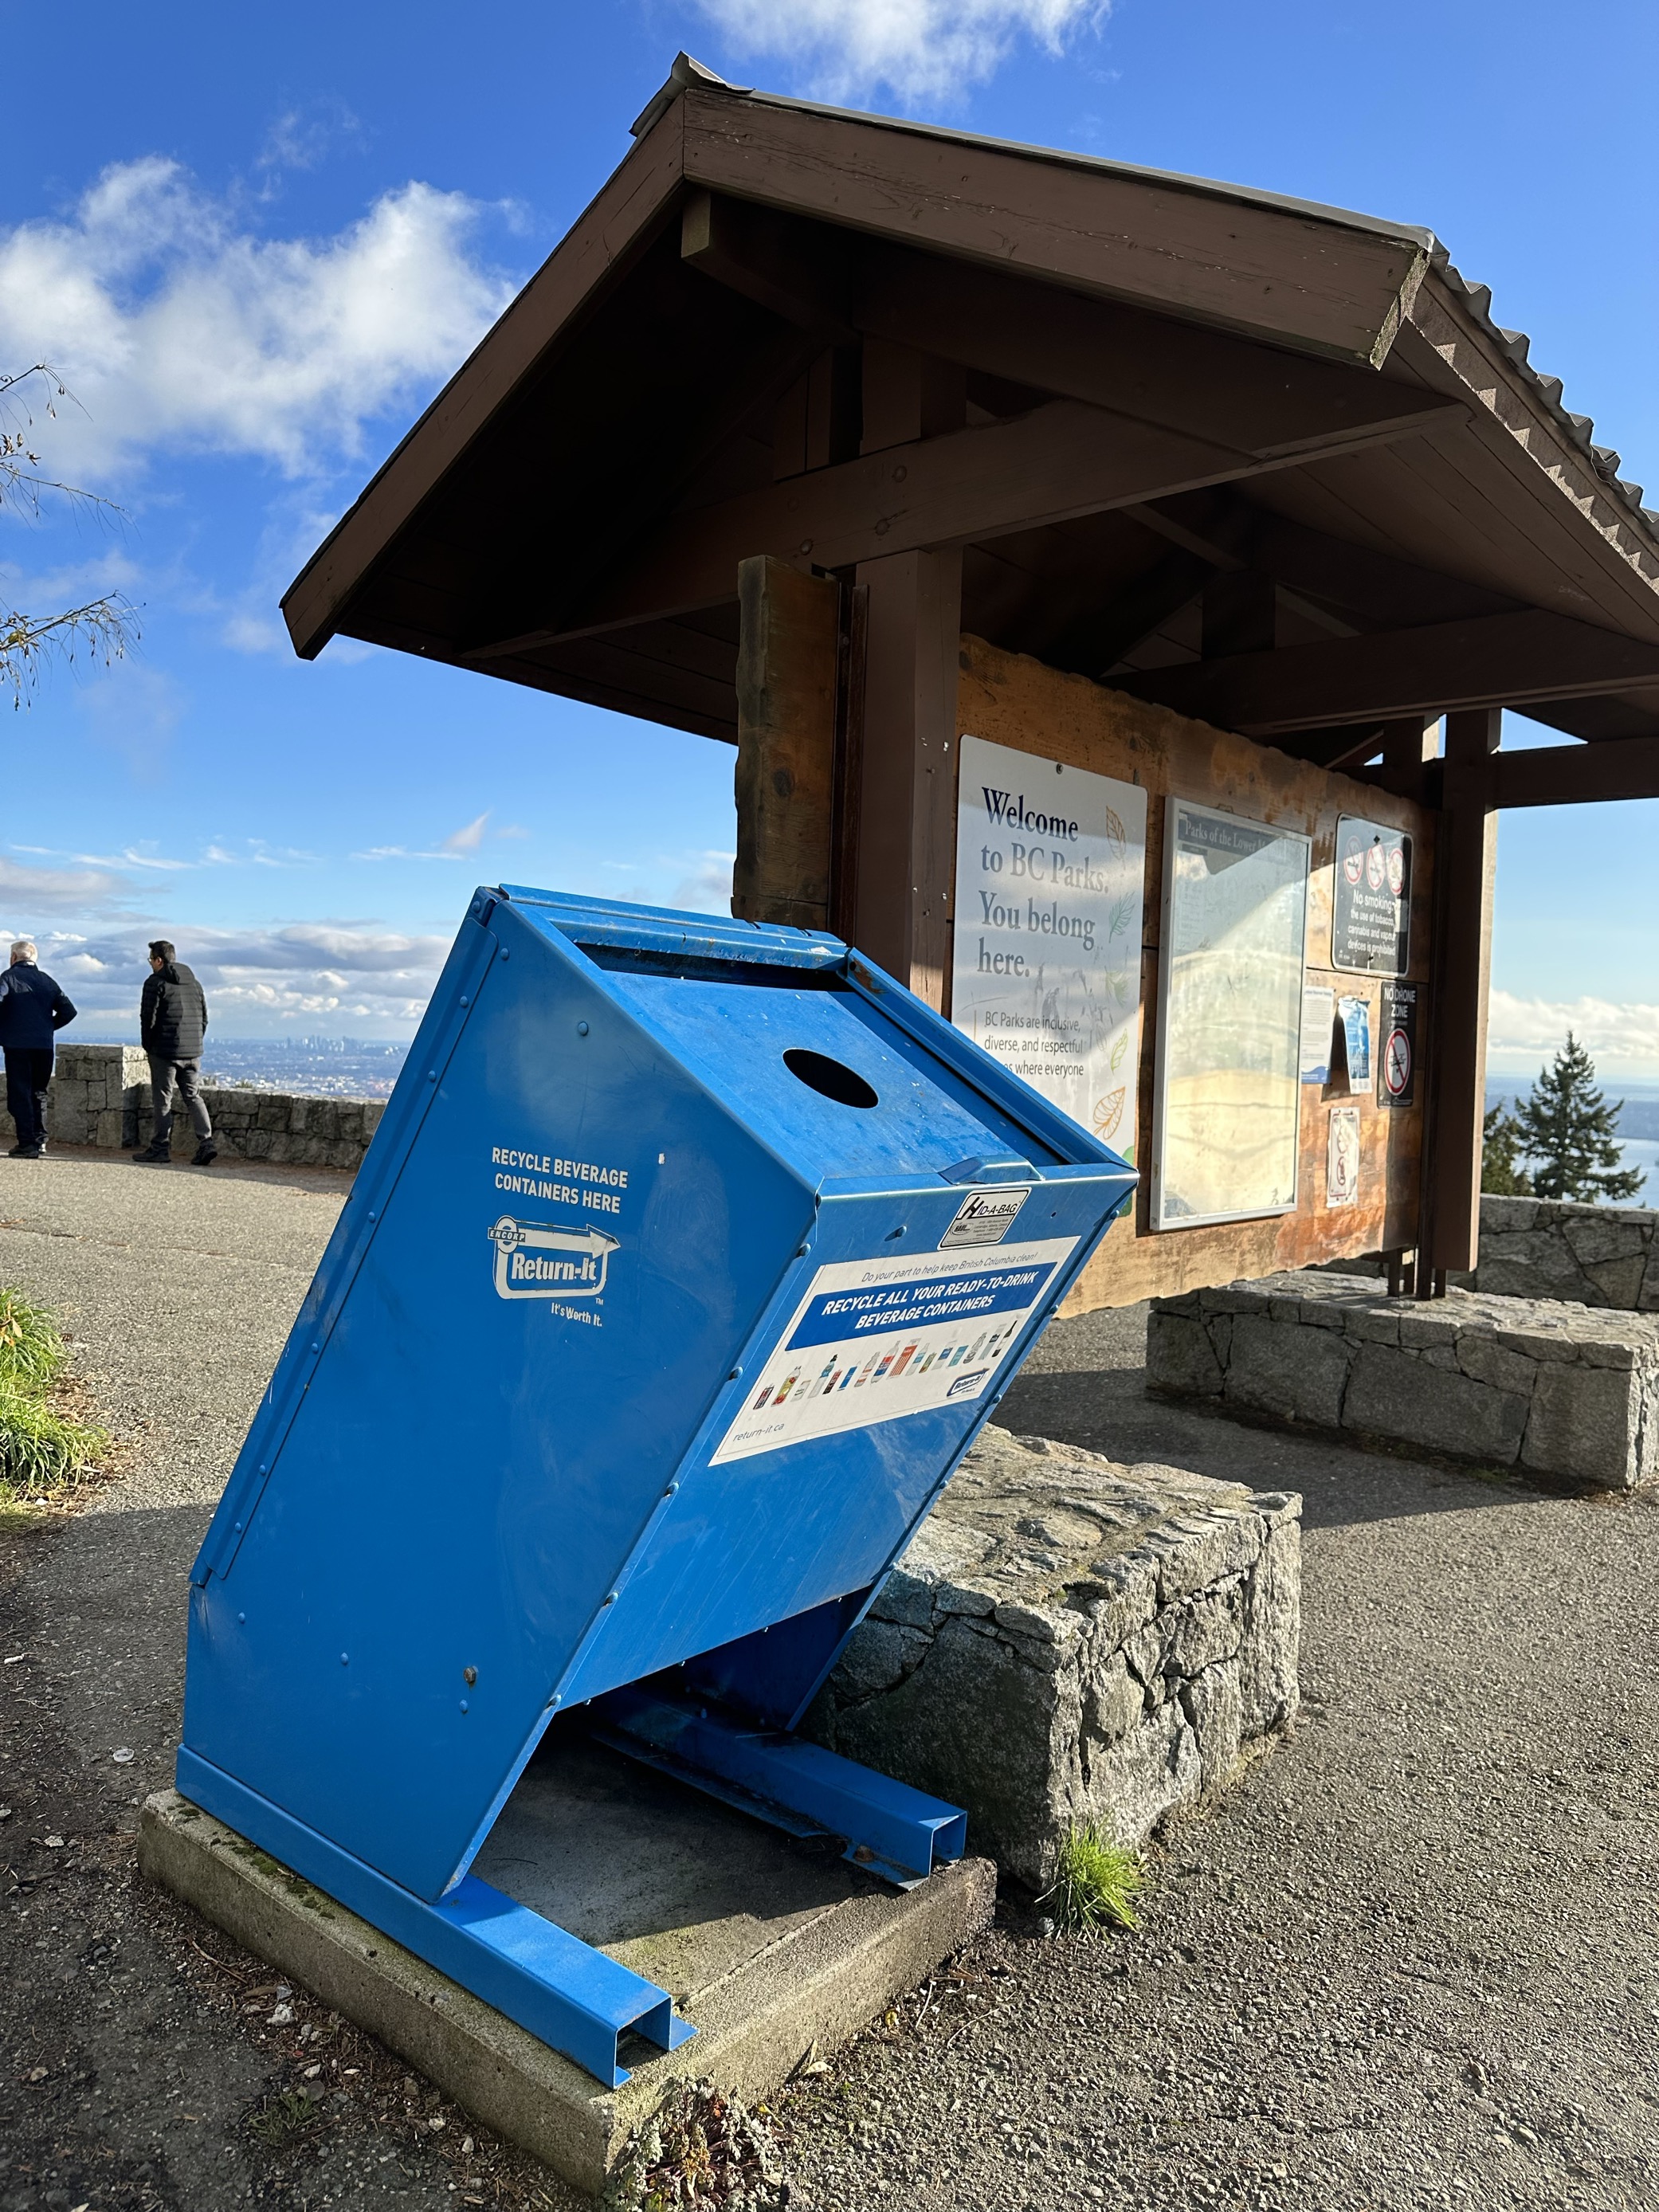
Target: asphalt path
x,y
1410,1959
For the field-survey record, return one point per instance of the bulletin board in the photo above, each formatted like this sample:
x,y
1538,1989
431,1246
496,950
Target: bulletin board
x,y
1226,1115
1355,1034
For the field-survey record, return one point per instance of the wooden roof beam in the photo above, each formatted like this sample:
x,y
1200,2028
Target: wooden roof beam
x,y
1178,375
1317,279
1058,462
1565,776
1496,661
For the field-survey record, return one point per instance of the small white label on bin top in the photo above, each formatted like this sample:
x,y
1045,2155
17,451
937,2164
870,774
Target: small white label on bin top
x,y
985,1217
874,1339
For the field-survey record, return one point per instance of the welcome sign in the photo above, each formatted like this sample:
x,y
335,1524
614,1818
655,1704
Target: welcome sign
x,y
1051,866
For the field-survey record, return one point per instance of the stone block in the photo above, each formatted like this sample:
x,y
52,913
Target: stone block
x,y
1480,1355
1268,1685
1213,1706
1365,1326
1390,1394
1567,1389
1287,1372
1139,1629
1180,1356
1615,1282
1593,1234
1594,1424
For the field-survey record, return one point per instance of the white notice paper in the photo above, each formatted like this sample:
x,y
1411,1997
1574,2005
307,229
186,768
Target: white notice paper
x,y
876,1339
1051,867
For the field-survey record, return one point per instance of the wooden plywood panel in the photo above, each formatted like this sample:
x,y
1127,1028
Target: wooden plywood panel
x,y
1017,701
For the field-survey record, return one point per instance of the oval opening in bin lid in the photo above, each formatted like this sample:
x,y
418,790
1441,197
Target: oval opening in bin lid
x,y
830,1078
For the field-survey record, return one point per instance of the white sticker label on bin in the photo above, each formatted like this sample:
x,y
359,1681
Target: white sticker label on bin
x,y
985,1217
875,1340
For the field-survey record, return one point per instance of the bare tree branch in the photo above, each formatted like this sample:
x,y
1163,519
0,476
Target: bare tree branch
x,y
105,628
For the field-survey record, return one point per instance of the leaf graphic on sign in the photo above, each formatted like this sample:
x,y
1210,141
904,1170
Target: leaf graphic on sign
x,y
1116,832
1119,1049
1121,914
1108,1110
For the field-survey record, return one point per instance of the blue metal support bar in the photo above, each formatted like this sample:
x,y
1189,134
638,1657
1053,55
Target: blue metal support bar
x,y
890,1829
572,1996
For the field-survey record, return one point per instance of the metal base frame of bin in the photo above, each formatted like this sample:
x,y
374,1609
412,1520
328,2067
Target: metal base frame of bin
x,y
888,1828
574,1998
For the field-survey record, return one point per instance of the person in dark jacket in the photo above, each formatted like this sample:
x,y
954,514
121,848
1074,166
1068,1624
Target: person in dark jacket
x,y
172,1021
32,1011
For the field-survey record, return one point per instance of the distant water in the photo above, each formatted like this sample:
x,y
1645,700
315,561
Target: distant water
x,y
1643,1152
348,1067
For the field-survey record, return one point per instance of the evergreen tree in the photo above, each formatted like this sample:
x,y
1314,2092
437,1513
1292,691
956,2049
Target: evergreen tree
x,y
1501,1172
1567,1130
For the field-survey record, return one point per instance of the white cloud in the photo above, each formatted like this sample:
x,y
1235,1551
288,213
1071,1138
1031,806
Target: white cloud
x,y
178,326
467,839
919,49
1523,1033
707,888
303,137
25,891
256,980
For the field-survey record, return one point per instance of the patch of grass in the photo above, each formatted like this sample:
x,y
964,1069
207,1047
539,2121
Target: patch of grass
x,y
280,2118
42,1450
1097,1884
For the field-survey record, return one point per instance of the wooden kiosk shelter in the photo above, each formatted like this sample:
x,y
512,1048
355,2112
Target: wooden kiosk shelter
x,y
838,439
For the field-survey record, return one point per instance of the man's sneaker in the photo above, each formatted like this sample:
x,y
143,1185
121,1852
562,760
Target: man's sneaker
x,y
32,1153
153,1157
206,1152
18,1152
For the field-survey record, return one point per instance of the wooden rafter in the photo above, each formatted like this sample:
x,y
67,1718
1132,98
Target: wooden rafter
x,y
1498,660
1059,461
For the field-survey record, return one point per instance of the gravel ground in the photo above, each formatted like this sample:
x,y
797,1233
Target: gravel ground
x,y
1412,1958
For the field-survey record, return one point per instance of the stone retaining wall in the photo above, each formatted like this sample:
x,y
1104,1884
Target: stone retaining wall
x,y
1546,1248
1565,1391
1543,1248
101,1096
1068,1640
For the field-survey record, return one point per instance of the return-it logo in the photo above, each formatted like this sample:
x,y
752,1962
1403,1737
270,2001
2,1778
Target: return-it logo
x,y
535,1260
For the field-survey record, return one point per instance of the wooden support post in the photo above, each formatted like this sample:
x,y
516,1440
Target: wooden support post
x,y
1465,860
901,908
788,651
899,911
1407,747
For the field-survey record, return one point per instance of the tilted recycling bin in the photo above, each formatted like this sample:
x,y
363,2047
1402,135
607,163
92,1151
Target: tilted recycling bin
x,y
688,1259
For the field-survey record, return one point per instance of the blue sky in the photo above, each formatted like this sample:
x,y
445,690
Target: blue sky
x,y
257,241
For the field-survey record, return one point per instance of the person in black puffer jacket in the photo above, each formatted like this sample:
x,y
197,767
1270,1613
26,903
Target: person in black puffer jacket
x,y
32,1010
173,1020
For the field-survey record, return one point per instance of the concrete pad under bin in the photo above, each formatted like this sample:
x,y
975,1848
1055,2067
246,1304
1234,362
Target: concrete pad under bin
x,y
1068,1640
769,1946
1567,1392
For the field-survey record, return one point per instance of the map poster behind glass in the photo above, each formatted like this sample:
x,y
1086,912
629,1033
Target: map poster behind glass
x,y
1231,977
1371,899
1051,872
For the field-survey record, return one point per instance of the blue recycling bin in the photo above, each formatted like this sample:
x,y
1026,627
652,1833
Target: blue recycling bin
x,y
686,1262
